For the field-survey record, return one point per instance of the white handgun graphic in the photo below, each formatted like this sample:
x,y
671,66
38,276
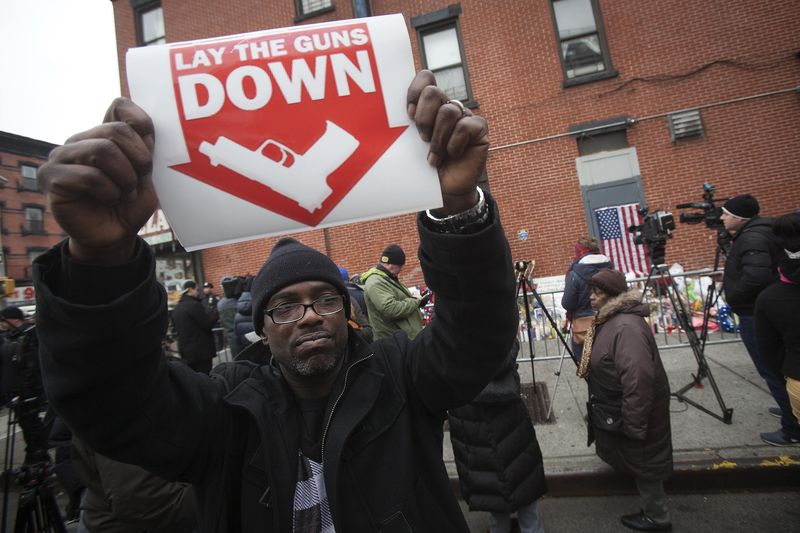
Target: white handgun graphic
x,y
303,178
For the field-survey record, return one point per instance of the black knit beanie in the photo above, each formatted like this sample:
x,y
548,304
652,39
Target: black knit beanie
x,y
611,282
742,206
393,255
291,262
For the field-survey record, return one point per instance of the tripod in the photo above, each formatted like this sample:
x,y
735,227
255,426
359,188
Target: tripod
x,y
37,509
659,271
524,269
723,242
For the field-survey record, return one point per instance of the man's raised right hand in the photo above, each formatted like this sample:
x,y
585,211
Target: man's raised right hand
x,y
100,187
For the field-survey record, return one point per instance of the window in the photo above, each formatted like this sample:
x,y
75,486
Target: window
x,y
602,135
29,181
311,8
442,51
581,42
149,22
34,220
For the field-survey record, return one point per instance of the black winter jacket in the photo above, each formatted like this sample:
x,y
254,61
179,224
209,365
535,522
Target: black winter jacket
x,y
243,320
751,265
494,443
235,434
193,322
777,312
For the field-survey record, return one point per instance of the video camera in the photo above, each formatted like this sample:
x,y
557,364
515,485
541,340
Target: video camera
x,y
654,231
522,265
710,213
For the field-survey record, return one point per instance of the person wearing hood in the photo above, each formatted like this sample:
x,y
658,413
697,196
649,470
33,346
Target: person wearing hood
x,y
750,266
628,405
226,307
588,261
776,312
243,320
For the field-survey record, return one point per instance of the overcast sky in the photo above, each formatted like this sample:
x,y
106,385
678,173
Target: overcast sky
x,y
59,66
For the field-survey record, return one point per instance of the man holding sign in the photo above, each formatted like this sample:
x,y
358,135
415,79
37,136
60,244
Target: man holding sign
x,y
332,434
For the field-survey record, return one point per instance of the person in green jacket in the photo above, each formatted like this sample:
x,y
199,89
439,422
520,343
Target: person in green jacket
x,y
390,305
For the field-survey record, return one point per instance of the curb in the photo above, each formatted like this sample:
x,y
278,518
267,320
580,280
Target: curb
x,y
775,473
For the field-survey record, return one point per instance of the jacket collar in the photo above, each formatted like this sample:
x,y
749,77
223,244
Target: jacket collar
x,y
626,302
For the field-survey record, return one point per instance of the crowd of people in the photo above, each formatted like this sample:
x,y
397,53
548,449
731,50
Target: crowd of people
x,y
331,416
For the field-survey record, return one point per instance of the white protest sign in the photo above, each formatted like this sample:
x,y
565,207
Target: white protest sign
x,y
283,130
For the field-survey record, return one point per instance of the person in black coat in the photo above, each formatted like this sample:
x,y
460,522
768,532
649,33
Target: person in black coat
x,y
750,266
497,455
243,320
777,311
333,433
226,307
194,322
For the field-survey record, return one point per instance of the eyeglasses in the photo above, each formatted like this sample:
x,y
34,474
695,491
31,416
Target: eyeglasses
x,y
288,313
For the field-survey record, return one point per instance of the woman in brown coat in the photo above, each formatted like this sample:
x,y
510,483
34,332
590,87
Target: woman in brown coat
x,y
629,396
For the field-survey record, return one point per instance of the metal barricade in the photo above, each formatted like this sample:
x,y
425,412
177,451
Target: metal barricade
x,y
693,286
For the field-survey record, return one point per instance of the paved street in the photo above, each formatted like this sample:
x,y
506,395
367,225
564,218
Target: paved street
x,y
759,512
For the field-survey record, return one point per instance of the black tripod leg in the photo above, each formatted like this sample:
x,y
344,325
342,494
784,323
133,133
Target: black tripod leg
x,y
697,349
8,466
552,322
55,522
38,512
523,288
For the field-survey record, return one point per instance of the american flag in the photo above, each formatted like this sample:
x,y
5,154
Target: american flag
x,y
617,241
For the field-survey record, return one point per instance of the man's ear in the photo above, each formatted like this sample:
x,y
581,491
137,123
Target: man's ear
x,y
265,340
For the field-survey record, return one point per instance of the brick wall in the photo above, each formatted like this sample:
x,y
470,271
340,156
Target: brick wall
x,y
17,242
671,55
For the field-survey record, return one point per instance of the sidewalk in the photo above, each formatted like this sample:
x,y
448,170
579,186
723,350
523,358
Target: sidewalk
x,y
709,454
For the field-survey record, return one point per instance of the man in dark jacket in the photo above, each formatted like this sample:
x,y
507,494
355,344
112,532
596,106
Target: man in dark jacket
x,y
22,380
751,265
332,432
194,322
777,312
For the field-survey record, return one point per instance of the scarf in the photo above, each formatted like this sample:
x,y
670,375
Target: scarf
x,y
586,353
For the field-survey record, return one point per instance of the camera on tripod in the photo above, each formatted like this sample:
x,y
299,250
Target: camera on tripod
x,y
709,213
521,266
653,232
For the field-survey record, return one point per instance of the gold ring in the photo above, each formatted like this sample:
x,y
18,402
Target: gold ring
x,y
460,106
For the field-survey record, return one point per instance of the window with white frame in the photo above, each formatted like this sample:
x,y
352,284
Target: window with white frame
x,y
149,22
29,180
582,44
442,51
306,8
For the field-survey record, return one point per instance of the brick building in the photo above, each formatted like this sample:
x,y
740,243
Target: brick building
x,y
590,103
27,227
